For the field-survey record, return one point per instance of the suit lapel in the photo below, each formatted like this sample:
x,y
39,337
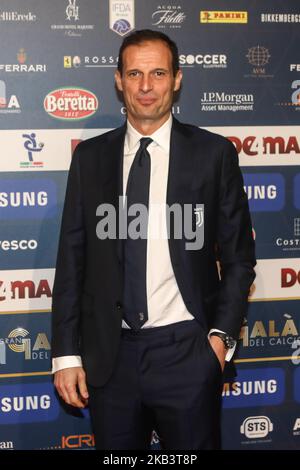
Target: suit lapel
x,y
113,178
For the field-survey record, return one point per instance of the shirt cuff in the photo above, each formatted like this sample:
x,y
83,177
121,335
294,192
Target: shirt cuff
x,y
63,362
230,352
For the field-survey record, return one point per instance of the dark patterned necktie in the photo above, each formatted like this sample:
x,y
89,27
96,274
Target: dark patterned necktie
x,y
135,250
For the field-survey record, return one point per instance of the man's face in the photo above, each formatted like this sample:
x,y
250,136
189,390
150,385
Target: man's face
x,y
148,83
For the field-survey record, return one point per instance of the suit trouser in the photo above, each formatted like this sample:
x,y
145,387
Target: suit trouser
x,y
166,378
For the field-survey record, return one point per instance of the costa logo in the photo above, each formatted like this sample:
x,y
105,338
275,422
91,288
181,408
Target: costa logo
x,y
71,103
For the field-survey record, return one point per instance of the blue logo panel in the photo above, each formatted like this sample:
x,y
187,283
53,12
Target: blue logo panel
x,y
265,191
255,387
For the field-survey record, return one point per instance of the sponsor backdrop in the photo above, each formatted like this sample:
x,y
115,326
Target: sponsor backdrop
x,y
241,79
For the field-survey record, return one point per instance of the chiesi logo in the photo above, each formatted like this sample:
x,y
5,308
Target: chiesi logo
x,y
121,16
71,103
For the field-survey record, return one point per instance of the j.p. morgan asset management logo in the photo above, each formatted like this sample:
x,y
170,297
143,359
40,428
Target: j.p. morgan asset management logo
x,y
71,104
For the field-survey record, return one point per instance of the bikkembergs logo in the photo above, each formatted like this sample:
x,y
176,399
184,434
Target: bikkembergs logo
x,y
71,104
223,17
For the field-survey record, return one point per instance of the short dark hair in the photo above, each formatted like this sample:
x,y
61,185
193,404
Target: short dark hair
x,y
138,37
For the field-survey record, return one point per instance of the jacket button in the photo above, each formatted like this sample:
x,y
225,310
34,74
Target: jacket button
x,y
119,305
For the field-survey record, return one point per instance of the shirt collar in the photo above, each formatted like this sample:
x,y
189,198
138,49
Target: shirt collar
x,y
160,137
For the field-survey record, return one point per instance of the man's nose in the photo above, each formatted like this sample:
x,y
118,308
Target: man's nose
x,y
146,83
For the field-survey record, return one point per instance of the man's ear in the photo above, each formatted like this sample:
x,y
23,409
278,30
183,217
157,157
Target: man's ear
x,y
178,79
118,80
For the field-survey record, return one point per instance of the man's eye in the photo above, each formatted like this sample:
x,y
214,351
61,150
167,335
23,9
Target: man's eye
x,y
133,74
159,73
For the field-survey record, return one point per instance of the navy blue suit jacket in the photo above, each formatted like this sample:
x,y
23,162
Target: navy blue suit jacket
x,y
88,287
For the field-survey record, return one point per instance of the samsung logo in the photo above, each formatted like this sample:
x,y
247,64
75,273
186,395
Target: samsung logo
x,y
28,198
255,387
18,199
31,402
265,191
28,403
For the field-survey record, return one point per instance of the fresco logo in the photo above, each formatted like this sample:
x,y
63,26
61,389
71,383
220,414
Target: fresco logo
x,y
121,16
255,387
223,17
15,245
71,104
265,191
28,198
19,341
8,105
256,427
33,148
80,441
28,403
280,332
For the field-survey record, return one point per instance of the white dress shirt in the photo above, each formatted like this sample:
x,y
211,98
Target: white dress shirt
x,y
164,300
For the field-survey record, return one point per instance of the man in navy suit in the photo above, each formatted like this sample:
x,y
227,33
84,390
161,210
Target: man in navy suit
x,y
142,326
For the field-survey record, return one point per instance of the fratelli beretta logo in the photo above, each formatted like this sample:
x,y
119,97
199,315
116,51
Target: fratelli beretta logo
x,y
121,16
71,103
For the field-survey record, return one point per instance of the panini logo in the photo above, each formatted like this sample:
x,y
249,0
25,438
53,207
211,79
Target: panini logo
x,y
71,103
223,17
